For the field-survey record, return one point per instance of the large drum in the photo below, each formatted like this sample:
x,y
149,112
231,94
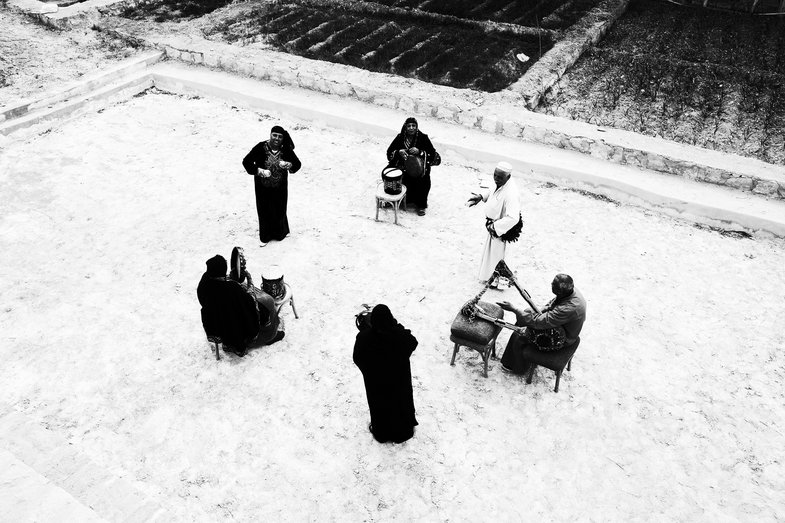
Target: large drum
x,y
414,166
237,271
393,180
272,283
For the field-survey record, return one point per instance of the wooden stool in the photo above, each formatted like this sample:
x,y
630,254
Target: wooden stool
x,y
393,199
555,360
217,341
477,334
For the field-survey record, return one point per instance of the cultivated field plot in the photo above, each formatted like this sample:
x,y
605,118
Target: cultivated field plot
x,y
457,56
690,75
458,45
673,409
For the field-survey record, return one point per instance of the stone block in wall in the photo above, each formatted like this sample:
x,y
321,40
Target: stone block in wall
x,y
533,133
601,150
425,108
261,70
306,80
633,157
211,59
362,94
767,188
489,124
288,77
580,143
617,154
715,176
385,101
320,85
172,53
510,128
406,104
739,182
655,162
467,118
342,89
447,112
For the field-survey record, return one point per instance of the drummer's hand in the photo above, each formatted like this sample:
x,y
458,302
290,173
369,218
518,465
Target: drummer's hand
x,y
403,154
414,150
506,306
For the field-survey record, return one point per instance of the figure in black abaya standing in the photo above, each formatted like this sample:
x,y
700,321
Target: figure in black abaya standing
x,y
270,162
382,352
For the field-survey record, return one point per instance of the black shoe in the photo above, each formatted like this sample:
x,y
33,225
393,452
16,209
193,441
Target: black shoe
x,y
278,337
420,212
507,369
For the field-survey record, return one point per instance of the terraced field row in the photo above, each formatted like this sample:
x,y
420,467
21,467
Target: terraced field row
x,y
549,14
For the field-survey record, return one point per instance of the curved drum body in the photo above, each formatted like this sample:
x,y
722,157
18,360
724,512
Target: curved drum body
x,y
272,283
237,270
414,166
393,180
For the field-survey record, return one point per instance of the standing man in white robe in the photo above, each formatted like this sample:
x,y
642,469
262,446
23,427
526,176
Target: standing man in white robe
x,y
502,210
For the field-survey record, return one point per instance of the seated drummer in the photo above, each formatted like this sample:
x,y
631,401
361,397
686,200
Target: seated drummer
x,y
242,316
566,310
411,142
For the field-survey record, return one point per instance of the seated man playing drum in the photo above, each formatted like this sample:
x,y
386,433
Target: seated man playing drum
x,y
413,153
567,310
241,315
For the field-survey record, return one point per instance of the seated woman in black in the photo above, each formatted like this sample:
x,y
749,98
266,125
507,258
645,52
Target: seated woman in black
x,y
382,353
416,174
238,317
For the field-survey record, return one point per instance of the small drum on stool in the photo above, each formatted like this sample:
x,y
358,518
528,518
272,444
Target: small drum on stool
x,y
393,180
272,283
476,333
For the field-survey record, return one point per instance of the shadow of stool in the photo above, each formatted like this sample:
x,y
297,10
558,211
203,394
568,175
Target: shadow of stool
x,y
477,334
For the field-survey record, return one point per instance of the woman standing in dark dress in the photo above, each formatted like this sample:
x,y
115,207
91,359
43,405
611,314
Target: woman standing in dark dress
x,y
382,354
411,142
270,162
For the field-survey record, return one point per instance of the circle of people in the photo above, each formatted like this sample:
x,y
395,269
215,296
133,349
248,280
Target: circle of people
x,y
244,316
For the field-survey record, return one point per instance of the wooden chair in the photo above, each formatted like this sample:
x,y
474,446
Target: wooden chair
x,y
555,360
477,334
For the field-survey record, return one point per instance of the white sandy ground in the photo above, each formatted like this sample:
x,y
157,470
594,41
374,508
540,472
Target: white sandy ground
x,y
673,409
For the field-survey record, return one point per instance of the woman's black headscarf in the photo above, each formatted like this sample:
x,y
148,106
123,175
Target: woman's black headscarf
x,y
409,120
287,140
216,266
382,319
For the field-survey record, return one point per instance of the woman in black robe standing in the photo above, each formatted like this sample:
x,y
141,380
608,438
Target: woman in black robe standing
x,y
270,162
412,142
382,353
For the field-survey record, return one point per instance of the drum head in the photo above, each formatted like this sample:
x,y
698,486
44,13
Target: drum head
x,y
237,268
